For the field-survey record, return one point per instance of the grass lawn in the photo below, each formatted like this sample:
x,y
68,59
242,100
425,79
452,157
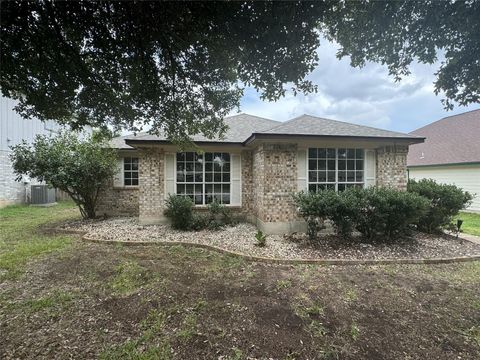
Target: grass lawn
x,y
471,223
63,298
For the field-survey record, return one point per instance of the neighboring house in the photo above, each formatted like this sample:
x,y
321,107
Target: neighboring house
x,y
14,129
450,153
255,169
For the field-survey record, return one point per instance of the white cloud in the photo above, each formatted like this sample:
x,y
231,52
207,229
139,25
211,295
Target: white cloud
x,y
367,96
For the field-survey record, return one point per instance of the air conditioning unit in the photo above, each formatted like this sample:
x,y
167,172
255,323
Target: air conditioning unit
x,y
42,195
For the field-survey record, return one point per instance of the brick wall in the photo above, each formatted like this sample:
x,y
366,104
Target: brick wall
x,y
392,166
151,185
118,201
275,180
247,184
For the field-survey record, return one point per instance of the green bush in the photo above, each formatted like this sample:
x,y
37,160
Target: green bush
x,y
261,239
377,213
445,202
180,211
315,209
386,214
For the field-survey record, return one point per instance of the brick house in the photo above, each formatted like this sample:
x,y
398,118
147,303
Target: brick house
x,y
255,168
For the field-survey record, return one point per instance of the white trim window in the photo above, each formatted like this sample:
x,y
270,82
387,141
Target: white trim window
x,y
335,169
203,177
130,171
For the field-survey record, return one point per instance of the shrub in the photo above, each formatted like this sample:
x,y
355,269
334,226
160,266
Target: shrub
x,y
219,212
315,209
261,239
386,214
199,221
375,213
445,202
180,210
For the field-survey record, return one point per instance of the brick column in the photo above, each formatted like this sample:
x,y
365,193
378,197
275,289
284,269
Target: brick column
x,y
274,182
151,187
392,166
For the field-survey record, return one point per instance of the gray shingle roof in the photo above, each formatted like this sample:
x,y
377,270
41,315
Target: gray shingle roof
x,y
451,140
316,126
243,127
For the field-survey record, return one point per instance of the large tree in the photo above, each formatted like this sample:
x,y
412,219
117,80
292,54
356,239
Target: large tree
x,y
181,66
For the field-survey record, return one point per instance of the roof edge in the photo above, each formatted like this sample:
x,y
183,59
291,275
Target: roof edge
x,y
413,139
445,164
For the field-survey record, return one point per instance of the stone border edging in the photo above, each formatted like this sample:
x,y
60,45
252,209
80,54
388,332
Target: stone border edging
x,y
282,261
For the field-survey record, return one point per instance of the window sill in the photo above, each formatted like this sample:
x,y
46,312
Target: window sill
x,y
126,187
205,207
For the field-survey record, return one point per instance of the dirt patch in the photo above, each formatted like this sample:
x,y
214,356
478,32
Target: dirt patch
x,y
197,304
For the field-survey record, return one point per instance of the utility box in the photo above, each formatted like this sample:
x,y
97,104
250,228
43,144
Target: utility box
x,y
42,195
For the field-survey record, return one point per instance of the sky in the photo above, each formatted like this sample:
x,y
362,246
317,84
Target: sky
x,y
365,96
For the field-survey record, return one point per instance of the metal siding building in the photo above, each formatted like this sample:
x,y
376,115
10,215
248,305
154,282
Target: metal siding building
x,y
14,129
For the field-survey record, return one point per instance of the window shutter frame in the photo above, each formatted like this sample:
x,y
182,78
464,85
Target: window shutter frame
x,y
118,177
302,183
370,168
170,167
236,180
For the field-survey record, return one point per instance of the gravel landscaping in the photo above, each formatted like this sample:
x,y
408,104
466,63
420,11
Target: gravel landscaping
x,y
241,238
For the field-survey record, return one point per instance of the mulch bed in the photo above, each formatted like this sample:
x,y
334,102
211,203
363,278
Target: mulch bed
x,y
241,239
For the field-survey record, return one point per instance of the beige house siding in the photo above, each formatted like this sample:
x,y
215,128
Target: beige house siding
x,y
465,176
392,167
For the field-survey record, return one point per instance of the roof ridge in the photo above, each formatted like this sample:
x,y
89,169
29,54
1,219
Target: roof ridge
x,y
281,123
259,117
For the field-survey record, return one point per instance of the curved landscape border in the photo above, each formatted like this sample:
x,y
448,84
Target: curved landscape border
x,y
282,261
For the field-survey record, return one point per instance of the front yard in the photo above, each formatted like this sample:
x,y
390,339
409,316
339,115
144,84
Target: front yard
x,y
63,298
471,223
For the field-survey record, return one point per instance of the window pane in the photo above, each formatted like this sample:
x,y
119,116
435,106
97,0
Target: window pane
x,y
217,177
312,176
217,189
189,189
322,153
208,177
359,176
128,182
180,189
342,176
341,187
342,164
312,187
198,167
226,157
226,199
312,153
359,153
208,156
198,189
322,164
208,188
312,164
180,157
216,166
330,186
135,182
331,153
331,176
134,175
350,176
351,153
359,164
226,189
342,153
180,176
189,156
189,178
198,199
180,166
322,176
226,167
135,166
127,166
331,164
198,177
350,164
226,177
208,198
208,166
